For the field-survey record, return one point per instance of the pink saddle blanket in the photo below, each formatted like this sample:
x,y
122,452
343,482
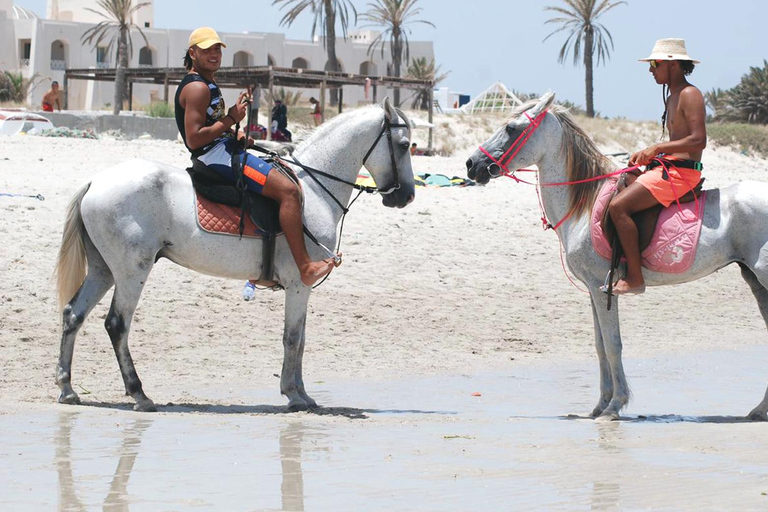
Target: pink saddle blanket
x,y
673,246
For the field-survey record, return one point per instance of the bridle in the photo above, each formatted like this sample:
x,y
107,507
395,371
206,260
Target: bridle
x,y
387,128
513,147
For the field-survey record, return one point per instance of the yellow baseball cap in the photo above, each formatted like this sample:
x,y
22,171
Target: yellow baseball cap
x,y
205,37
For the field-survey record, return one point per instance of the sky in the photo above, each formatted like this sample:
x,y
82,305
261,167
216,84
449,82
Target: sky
x,y
483,41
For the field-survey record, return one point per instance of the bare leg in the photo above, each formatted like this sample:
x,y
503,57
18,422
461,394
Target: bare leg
x,y
286,193
633,199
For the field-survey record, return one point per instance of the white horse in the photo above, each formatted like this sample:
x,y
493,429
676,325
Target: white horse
x,y
126,218
734,227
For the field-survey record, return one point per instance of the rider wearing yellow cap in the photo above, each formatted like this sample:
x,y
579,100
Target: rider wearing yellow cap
x,y
206,128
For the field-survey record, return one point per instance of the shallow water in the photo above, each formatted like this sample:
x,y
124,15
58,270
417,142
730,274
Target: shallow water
x,y
424,444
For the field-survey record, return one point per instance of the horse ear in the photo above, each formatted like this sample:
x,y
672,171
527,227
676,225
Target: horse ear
x,y
544,103
389,110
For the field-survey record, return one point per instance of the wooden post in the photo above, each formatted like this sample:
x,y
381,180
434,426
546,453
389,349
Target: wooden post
x,y
270,104
165,88
341,98
431,111
66,90
256,94
130,95
322,102
375,93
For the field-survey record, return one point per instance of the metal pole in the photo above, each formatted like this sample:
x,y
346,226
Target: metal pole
x,y
270,104
130,95
341,98
375,93
165,88
322,102
66,90
431,111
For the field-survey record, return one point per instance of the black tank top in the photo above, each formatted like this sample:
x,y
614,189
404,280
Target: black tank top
x,y
213,113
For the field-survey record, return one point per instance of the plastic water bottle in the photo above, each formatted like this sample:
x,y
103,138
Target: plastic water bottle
x,y
249,291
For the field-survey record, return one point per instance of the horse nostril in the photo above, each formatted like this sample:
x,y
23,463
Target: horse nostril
x,y
494,169
470,163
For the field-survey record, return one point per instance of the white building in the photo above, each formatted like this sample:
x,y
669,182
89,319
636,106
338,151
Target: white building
x,y
44,48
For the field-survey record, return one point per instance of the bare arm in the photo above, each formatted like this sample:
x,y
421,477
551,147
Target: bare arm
x,y
194,99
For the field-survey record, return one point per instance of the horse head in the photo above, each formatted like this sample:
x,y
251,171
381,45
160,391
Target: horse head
x,y
512,146
389,158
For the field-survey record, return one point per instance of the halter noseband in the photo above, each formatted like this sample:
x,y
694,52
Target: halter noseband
x,y
513,147
387,128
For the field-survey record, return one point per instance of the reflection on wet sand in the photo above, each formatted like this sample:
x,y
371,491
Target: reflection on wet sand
x,y
117,499
606,487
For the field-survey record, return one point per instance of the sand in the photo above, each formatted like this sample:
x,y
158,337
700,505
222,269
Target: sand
x,y
463,282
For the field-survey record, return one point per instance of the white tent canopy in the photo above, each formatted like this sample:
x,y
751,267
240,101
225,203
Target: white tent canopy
x,y
497,98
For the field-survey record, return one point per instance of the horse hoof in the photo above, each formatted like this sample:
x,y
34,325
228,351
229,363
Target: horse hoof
x,y
145,406
756,415
597,411
298,406
607,417
69,399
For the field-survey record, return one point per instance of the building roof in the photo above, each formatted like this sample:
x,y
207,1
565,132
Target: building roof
x,y
497,98
20,13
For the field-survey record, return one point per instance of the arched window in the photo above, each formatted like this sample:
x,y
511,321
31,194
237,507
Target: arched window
x,y
58,54
242,60
368,68
146,57
300,63
271,61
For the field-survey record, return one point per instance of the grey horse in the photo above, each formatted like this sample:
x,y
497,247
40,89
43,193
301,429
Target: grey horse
x,y
734,227
126,218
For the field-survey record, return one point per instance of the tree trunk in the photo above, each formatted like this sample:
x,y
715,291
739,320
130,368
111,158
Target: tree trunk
x,y
397,57
330,43
122,64
588,53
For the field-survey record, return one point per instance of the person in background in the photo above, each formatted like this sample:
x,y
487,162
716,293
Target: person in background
x,y
280,119
51,98
317,114
413,149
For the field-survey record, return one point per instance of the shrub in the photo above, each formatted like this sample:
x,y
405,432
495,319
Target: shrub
x,y
159,109
746,137
745,103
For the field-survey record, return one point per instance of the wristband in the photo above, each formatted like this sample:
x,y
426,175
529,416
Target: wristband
x,y
232,118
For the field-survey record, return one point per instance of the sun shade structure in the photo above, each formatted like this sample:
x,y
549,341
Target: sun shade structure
x,y
497,98
265,77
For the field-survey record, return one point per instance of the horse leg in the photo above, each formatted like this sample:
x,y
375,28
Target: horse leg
x,y
761,294
128,289
291,380
97,282
611,335
606,383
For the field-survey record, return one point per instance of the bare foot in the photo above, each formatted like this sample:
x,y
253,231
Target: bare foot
x,y
625,288
316,270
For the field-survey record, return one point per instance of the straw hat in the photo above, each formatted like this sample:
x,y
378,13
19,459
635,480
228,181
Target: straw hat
x,y
205,37
669,49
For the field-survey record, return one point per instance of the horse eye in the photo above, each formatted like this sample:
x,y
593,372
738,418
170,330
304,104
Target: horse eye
x,y
405,145
510,129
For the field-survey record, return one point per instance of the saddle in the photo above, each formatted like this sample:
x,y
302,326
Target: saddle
x,y
261,211
645,220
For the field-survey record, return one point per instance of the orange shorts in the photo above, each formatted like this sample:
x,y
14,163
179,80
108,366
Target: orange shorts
x,y
681,181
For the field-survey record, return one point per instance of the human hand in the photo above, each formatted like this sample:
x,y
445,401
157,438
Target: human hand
x,y
240,108
643,157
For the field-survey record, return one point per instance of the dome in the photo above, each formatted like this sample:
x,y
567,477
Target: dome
x,y
20,13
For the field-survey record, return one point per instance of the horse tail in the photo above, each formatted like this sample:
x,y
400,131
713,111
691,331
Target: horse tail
x,y
71,263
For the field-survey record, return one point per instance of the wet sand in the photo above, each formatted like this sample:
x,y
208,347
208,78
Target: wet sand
x,y
419,444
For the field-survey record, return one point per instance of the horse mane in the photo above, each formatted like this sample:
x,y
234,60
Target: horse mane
x,y
321,131
582,161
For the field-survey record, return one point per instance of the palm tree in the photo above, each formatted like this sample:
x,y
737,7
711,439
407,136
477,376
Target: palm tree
x,y
394,15
421,70
325,12
585,35
116,27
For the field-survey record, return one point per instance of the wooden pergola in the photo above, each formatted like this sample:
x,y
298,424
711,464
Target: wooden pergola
x,y
256,77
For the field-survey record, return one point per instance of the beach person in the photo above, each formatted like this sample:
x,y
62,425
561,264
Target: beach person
x,y
413,148
51,98
280,119
673,167
317,114
206,128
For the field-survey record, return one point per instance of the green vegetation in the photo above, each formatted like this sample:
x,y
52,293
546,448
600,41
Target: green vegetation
x,y
14,88
159,109
420,69
745,103
749,138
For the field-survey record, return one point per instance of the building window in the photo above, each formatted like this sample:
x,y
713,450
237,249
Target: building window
x,y
146,24
368,68
58,55
146,59
25,51
271,61
242,60
300,63
102,61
